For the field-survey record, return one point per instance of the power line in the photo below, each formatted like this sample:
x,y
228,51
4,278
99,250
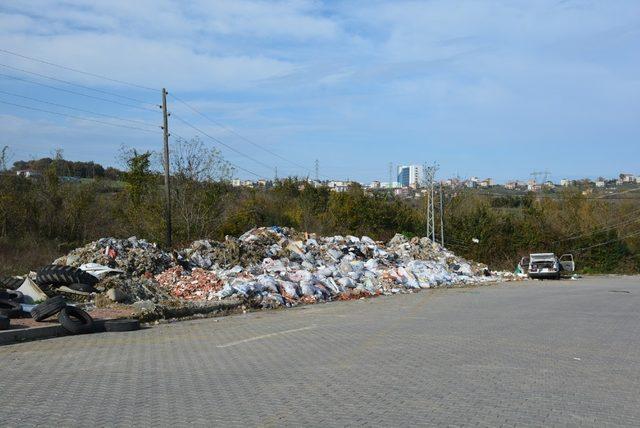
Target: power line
x,y
73,84
239,135
64,67
637,232
222,143
604,229
617,193
76,117
78,109
555,197
76,93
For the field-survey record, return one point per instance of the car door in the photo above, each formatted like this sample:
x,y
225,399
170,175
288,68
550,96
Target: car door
x,y
567,263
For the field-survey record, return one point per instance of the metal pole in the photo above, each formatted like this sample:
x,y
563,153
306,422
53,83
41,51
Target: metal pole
x,y
167,188
441,217
433,211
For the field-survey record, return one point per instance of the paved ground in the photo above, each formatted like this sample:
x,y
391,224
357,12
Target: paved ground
x,y
535,353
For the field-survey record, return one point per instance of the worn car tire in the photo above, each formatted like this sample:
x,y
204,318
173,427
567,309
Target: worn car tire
x,y
10,309
64,275
12,295
4,322
11,282
122,325
75,320
48,308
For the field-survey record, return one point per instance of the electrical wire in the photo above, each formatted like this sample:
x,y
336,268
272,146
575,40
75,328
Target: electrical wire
x,y
76,93
221,142
604,229
239,135
637,232
55,79
617,193
75,117
79,109
64,67
556,197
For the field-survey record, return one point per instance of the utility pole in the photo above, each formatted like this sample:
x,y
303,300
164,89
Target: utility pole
x,y
441,216
276,179
167,188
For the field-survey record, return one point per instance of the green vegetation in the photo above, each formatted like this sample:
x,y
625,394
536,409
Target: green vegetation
x,y
43,218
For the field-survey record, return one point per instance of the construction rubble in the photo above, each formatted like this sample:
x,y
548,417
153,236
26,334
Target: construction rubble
x,y
272,267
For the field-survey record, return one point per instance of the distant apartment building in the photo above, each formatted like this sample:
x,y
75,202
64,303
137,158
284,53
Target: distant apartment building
x,y
410,175
487,182
339,186
628,178
472,183
600,182
565,182
375,185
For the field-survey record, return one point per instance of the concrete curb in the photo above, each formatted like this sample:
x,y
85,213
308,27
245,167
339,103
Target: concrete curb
x,y
8,337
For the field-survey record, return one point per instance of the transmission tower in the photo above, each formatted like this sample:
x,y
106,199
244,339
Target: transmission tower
x,y
544,174
317,170
390,175
429,184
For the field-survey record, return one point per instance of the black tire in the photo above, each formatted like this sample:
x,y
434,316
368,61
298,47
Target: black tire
x,y
12,295
48,308
63,275
122,325
4,322
86,288
11,282
10,309
75,320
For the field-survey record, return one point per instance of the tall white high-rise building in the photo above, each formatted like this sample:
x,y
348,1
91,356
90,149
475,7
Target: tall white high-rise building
x,y
410,175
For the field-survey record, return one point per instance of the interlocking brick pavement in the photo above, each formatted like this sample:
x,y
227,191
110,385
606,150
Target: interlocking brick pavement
x,y
527,354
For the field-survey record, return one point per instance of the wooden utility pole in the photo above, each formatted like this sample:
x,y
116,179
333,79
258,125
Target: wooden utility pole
x,y
441,217
167,188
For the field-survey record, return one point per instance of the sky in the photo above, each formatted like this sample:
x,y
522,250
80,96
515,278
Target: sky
x,y
488,88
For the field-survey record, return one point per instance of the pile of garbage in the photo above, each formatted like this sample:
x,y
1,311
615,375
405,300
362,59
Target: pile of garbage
x,y
281,267
265,267
133,256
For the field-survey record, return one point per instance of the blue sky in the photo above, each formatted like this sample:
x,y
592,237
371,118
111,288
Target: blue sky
x,y
487,88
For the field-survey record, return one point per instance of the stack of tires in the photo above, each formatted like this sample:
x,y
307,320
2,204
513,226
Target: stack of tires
x,y
55,276
73,319
10,301
10,282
